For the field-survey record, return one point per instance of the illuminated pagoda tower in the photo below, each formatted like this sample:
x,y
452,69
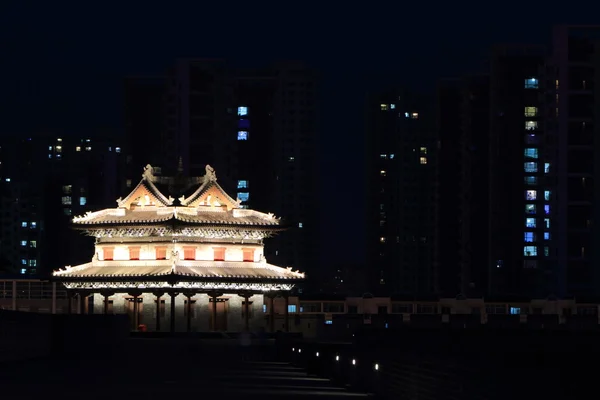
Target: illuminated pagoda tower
x,y
196,263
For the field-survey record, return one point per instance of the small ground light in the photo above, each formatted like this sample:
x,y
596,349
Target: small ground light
x,y
353,361
337,358
376,367
293,349
317,354
299,350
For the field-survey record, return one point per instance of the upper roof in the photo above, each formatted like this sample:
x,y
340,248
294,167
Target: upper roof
x,y
208,204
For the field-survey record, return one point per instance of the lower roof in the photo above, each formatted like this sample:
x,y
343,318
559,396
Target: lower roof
x,y
214,270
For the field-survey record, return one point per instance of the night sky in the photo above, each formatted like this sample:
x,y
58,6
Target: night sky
x,y
62,66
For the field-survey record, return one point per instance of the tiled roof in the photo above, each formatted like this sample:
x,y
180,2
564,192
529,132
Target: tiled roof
x,y
193,269
208,216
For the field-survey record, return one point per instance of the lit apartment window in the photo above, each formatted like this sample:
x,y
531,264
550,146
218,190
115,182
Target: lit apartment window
x,y
33,244
67,211
423,150
546,209
242,135
23,261
243,196
300,225
406,115
423,160
384,107
32,263
59,140
391,156
530,194
382,239
529,236
547,168
546,235
530,208
49,148
382,173
530,251
82,201
67,189
242,184
88,148
547,195
291,158
128,183
33,225
23,243
530,167
414,115
242,111
531,153
531,180
383,156
392,106
547,223
531,111
118,149
58,149
531,83
23,271
66,200
78,148
531,125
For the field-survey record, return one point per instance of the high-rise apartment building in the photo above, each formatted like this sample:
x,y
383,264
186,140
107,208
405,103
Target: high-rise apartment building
x,y
45,181
401,158
259,129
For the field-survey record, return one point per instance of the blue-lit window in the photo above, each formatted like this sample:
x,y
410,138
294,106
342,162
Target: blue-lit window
x,y
242,135
407,115
264,308
23,224
23,261
530,236
530,208
244,123
242,111
532,83
546,251
530,222
547,168
243,196
391,156
300,225
328,322
515,310
118,149
531,180
33,225
531,153
546,208
23,242
530,194
291,308
242,184
23,271
82,201
547,223
530,251
546,235
32,263
530,167
392,106
547,195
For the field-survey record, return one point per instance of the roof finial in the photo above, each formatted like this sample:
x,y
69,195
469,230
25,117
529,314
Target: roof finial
x,y
180,165
211,175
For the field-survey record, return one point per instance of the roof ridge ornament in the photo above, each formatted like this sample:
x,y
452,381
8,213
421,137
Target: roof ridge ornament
x,y
211,175
149,173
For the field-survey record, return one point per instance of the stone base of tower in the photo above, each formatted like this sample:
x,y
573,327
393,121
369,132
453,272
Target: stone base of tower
x,y
229,312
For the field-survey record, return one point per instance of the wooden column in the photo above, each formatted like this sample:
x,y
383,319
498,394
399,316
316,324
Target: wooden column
x,y
173,296
246,297
53,310
214,312
272,313
287,312
81,303
136,317
70,303
158,307
188,307
106,297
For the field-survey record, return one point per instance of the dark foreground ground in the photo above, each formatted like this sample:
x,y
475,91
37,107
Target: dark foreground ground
x,y
142,368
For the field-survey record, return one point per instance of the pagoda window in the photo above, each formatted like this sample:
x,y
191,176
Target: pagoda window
x,y
219,253
189,253
134,253
248,255
108,253
161,252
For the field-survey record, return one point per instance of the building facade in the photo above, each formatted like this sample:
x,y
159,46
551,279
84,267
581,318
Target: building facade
x,y
401,157
197,253
45,179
